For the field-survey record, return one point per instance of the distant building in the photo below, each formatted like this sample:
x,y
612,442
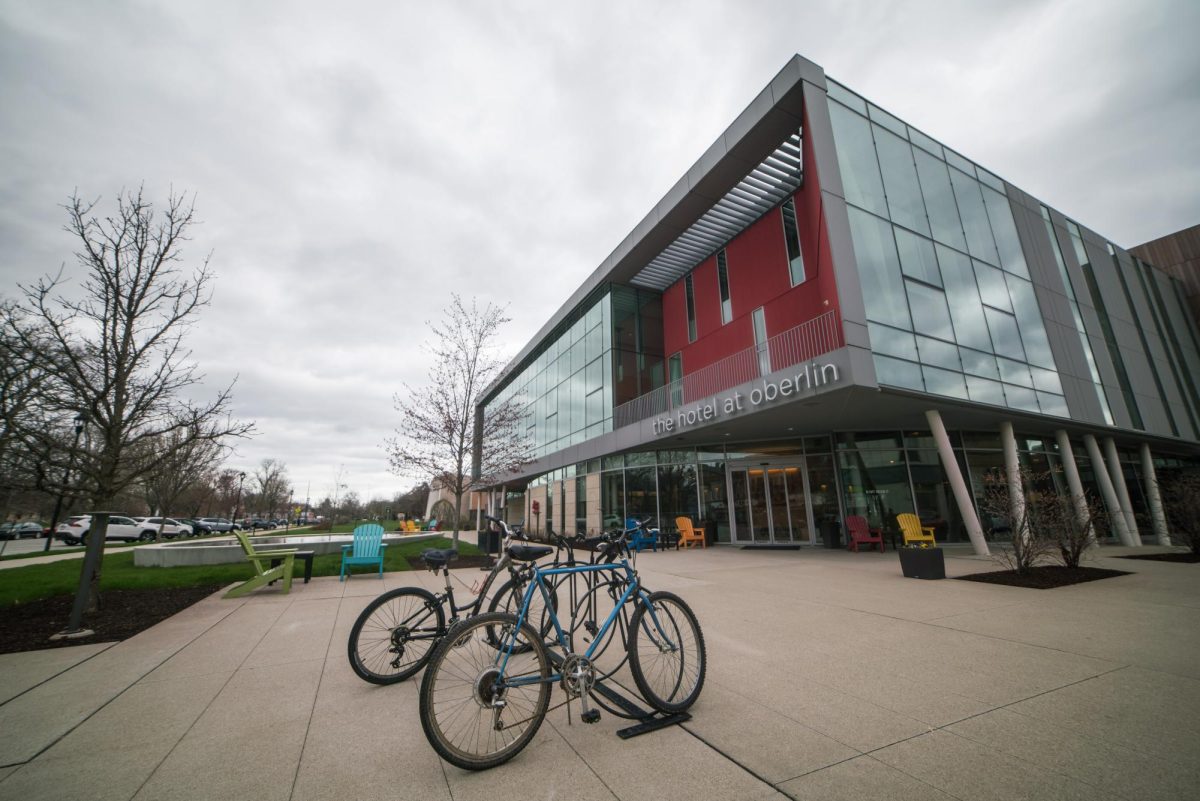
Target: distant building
x,y
1178,254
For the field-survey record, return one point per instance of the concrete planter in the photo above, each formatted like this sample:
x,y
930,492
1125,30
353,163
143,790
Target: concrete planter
x,y
922,563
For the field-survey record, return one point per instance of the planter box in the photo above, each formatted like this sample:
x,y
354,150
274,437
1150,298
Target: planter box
x,y
922,563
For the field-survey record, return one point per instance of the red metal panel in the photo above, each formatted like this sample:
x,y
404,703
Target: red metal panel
x,y
758,276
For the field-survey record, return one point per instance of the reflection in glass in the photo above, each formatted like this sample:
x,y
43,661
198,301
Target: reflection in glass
x,y
916,257
900,181
879,269
1004,334
929,312
760,524
966,311
974,218
856,160
875,486
778,498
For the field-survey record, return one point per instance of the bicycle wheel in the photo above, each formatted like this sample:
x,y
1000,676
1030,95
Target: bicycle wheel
x,y
510,597
394,636
666,652
463,682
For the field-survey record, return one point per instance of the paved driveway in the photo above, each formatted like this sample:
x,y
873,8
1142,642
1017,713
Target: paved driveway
x,y
830,676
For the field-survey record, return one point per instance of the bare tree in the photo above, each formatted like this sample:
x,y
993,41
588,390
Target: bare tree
x,y
437,432
271,486
113,350
186,464
1181,501
1029,545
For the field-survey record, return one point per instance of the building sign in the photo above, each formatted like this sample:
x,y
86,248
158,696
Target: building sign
x,y
764,393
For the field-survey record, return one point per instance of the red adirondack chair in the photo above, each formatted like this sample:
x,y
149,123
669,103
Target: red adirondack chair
x,y
862,534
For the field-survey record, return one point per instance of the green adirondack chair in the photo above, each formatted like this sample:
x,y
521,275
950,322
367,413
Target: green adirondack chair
x,y
367,549
264,573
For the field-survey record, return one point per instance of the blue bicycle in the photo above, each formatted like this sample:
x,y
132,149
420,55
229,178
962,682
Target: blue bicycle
x,y
487,686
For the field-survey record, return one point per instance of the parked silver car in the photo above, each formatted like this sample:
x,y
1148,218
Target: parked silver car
x,y
76,529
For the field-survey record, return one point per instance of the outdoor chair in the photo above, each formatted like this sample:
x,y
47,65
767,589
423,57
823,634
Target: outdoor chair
x,y
639,539
432,525
913,531
410,526
862,534
367,549
688,535
263,576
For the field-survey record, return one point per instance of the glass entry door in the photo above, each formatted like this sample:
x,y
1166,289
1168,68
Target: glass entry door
x,y
770,504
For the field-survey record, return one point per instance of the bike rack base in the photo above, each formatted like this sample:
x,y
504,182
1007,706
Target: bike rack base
x,y
647,721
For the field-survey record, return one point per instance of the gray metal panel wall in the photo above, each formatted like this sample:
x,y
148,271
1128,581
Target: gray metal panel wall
x,y
1056,311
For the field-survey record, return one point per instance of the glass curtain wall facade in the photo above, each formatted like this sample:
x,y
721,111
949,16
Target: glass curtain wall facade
x,y
609,350
950,306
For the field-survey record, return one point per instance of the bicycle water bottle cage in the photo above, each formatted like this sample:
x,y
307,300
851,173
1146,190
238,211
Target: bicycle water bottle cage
x,y
529,553
437,558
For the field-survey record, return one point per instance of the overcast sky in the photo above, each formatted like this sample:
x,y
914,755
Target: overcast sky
x,y
354,163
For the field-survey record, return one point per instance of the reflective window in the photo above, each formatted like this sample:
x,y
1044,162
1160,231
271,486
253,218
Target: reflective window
x,y
900,181
965,308
959,162
980,364
939,354
1004,229
974,217
892,342
939,201
1029,320
1005,339
887,120
944,382
929,313
856,159
916,257
791,236
898,373
985,391
760,341
691,307
879,269
989,179
722,287
992,289
1014,372
844,95
921,140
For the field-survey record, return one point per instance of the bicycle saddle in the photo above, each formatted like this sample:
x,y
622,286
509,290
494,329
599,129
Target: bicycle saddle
x,y
438,557
528,553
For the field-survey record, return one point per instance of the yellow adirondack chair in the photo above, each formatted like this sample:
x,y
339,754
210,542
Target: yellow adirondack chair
x,y
264,575
688,535
913,531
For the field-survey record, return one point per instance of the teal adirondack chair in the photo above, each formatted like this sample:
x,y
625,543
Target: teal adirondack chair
x,y
367,548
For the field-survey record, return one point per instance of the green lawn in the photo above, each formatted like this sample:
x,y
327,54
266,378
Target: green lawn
x,y
24,584
56,551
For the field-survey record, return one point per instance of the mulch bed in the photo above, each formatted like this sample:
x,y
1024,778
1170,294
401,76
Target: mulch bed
x,y
122,614
1184,558
1045,577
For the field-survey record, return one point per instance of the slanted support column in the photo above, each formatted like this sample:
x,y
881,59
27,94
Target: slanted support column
x,y
1100,470
1067,455
1016,487
957,484
1118,478
1158,518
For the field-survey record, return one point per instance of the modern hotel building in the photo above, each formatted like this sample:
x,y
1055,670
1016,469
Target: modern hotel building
x,y
833,314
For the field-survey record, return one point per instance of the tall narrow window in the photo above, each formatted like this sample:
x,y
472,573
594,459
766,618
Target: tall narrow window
x,y
675,378
791,235
723,286
691,307
760,341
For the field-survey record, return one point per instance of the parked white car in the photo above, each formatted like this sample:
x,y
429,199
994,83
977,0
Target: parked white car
x,y
75,529
171,528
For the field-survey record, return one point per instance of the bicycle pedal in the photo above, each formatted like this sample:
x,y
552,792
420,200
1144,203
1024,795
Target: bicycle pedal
x,y
590,716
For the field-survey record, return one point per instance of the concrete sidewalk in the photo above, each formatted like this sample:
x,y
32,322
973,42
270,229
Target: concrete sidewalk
x,y
829,676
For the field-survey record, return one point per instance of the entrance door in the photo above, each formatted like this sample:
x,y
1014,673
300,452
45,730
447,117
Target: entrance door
x,y
770,503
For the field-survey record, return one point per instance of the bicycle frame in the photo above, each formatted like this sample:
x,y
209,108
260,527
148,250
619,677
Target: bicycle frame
x,y
634,586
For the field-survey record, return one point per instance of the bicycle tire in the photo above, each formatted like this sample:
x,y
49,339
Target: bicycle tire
x,y
373,639
669,678
512,594
457,688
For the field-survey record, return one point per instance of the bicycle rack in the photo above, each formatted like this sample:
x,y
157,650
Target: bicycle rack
x,y
648,720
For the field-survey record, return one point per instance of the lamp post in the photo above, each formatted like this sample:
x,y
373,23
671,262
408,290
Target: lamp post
x,y
237,506
80,419
287,520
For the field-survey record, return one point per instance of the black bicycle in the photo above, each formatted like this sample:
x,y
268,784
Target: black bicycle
x,y
393,637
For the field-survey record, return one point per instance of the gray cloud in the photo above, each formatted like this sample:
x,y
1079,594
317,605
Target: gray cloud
x,y
353,166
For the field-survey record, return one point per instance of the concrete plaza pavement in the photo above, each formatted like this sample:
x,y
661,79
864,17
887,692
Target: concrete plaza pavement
x,y
829,677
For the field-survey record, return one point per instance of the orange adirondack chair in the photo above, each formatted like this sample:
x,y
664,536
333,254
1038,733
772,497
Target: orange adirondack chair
x,y
688,535
862,534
